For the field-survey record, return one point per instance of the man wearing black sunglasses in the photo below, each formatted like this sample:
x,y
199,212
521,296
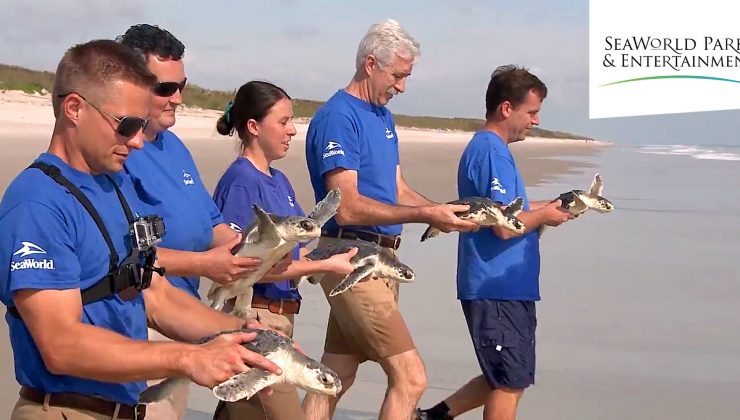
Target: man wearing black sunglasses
x,y
77,313
198,243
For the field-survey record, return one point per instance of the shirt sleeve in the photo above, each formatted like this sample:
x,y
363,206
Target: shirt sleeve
x,y
43,249
336,143
236,205
493,176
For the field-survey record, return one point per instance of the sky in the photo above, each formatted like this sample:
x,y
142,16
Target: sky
x,y
308,48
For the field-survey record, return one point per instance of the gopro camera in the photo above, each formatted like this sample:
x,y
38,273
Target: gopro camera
x,y
147,231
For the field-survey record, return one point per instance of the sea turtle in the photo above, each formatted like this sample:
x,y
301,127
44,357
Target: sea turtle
x,y
371,260
298,369
270,238
486,212
576,202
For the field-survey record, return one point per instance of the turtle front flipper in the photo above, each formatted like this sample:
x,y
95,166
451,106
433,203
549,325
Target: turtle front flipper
x,y
360,273
515,207
243,304
597,186
244,385
431,232
326,208
162,390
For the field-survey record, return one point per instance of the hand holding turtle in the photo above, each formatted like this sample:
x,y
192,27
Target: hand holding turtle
x,y
221,266
443,217
556,215
217,360
340,264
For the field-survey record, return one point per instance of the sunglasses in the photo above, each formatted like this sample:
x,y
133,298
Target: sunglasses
x,y
168,88
127,126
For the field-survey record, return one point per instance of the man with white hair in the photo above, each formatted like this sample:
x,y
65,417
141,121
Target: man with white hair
x,y
352,145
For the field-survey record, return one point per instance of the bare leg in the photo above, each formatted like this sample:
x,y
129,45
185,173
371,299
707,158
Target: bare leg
x,y
321,407
502,403
407,380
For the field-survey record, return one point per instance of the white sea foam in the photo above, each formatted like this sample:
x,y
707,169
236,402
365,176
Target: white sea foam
x,y
731,153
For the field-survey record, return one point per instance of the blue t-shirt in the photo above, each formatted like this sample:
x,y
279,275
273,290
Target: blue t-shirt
x,y
243,185
349,133
49,241
167,180
489,267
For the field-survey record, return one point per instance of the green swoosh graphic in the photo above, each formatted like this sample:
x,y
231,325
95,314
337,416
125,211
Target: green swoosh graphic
x,y
719,79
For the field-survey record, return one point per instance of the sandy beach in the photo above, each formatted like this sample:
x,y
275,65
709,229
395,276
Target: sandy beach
x,y
639,313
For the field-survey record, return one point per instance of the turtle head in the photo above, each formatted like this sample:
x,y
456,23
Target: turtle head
x,y
604,205
317,378
401,273
301,229
598,203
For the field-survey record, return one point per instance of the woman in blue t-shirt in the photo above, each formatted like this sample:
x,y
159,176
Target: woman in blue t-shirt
x,y
261,114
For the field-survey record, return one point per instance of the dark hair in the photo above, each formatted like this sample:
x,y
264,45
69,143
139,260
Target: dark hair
x,y
87,69
512,83
252,102
150,39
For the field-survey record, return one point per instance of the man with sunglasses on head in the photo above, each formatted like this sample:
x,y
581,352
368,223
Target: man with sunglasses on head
x,y
75,285
198,242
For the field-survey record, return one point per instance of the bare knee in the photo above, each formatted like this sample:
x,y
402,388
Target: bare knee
x,y
406,372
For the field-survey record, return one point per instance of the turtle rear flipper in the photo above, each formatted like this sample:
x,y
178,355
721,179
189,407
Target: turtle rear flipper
x,y
431,232
360,273
244,385
326,208
161,390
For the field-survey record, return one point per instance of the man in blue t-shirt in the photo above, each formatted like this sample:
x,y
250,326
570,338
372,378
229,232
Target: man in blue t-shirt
x,y
498,271
352,145
198,242
80,354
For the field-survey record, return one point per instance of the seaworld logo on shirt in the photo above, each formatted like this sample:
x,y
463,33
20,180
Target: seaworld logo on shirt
x,y
388,134
30,248
496,186
332,149
290,201
187,179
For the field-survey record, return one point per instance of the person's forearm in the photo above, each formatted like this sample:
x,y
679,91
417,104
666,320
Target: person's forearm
x,y
364,211
297,269
409,197
180,263
534,205
222,234
91,352
166,306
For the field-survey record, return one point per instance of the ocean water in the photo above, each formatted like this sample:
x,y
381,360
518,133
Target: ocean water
x,y
640,314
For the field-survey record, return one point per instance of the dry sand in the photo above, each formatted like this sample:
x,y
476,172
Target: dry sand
x,y
429,160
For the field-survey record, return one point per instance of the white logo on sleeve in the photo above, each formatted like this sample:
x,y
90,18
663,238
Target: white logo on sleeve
x,y
388,133
496,186
332,149
290,201
187,179
235,227
30,248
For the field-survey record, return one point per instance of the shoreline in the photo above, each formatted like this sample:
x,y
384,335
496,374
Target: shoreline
x,y
34,112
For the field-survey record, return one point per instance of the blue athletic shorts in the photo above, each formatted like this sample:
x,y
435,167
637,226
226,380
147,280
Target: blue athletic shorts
x,y
503,333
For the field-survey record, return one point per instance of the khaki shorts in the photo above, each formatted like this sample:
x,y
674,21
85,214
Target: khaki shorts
x,y
29,410
283,403
364,321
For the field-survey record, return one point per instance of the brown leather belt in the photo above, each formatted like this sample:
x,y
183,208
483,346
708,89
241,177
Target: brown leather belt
x,y
386,241
84,402
278,306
